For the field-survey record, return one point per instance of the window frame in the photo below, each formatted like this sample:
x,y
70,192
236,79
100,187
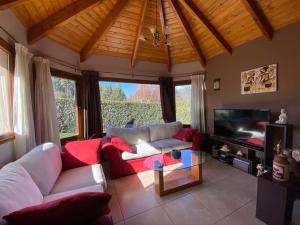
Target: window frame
x,y
79,100
6,137
124,80
181,83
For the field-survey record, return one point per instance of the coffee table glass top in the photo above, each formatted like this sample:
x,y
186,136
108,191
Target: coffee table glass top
x,y
176,160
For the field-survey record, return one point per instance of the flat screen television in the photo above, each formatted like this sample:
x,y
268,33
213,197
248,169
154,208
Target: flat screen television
x,y
246,126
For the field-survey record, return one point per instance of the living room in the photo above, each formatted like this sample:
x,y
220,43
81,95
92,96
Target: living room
x,y
149,112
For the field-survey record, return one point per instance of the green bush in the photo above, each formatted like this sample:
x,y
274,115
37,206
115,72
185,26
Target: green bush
x,y
66,115
183,111
119,113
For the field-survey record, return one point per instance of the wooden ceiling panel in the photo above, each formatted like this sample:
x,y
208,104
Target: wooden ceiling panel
x,y
230,18
281,13
34,11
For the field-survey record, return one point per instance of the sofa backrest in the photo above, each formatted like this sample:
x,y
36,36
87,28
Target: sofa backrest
x,y
164,131
17,189
132,136
44,165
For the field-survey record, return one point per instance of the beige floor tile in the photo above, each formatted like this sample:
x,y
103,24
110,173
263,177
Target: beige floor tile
x,y
225,196
155,216
244,216
189,211
296,213
133,203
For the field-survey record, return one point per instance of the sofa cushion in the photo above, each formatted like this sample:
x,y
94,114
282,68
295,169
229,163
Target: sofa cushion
x,y
172,143
79,177
186,134
44,165
83,208
164,131
132,136
17,189
81,153
94,188
141,150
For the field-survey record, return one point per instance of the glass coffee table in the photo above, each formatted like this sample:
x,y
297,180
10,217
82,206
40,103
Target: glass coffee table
x,y
176,170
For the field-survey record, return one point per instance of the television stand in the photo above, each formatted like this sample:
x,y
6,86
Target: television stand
x,y
247,163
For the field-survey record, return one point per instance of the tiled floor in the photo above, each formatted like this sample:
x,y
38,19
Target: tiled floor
x,y
226,197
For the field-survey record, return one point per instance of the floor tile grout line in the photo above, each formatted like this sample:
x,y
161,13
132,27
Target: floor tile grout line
x,y
118,201
223,218
168,215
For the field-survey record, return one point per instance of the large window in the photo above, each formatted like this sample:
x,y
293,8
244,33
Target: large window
x,y
65,91
129,104
6,65
183,103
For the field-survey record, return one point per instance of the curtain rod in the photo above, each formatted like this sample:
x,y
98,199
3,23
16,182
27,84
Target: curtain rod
x,y
8,34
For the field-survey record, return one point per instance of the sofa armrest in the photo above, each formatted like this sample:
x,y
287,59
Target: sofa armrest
x,y
197,141
111,152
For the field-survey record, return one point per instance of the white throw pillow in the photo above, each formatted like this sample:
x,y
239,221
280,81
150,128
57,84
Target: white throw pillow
x,y
44,165
17,189
164,131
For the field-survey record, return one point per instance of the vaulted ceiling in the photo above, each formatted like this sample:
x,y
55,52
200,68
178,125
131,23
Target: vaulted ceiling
x,y
198,29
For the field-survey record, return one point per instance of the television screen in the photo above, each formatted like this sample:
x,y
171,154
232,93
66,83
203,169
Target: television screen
x,y
242,125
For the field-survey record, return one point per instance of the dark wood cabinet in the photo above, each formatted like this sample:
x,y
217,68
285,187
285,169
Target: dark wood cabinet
x,y
275,200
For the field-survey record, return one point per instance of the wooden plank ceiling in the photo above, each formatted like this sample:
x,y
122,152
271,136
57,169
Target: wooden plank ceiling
x,y
199,29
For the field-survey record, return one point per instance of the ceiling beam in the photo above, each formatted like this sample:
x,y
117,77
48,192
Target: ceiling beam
x,y
259,18
6,4
187,30
191,7
103,27
163,26
139,31
41,29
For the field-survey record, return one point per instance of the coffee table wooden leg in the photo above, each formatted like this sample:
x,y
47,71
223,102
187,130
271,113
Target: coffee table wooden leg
x,y
159,182
196,172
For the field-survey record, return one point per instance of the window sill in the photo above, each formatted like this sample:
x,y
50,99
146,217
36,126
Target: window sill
x,y
71,138
6,137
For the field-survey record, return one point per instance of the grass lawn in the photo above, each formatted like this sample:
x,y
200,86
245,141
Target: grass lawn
x,y
65,135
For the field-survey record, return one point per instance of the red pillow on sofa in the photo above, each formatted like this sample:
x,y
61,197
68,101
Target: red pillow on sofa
x,y
77,209
186,134
118,143
81,153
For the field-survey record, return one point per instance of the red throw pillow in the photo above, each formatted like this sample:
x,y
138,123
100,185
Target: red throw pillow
x,y
121,144
197,140
186,134
77,209
81,153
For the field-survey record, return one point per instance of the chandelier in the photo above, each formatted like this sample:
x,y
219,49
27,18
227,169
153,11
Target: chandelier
x,y
155,33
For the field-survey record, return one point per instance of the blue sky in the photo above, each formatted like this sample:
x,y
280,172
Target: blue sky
x,y
128,88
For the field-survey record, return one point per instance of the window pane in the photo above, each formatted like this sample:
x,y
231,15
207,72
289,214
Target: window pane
x,y
122,103
183,103
65,97
5,93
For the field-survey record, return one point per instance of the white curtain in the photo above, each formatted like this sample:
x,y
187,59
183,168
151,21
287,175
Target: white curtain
x,y
46,125
22,104
198,106
5,93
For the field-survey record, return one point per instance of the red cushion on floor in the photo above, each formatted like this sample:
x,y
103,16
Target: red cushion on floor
x,y
78,209
186,134
81,153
